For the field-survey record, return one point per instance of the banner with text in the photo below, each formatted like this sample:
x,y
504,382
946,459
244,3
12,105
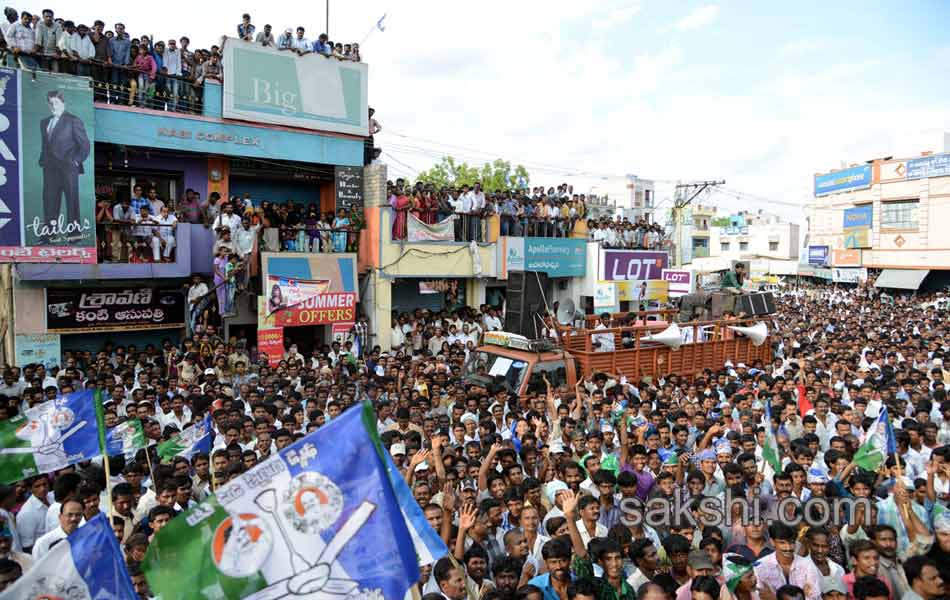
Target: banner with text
x,y
270,343
286,292
325,309
265,85
622,265
443,231
43,348
681,282
643,290
47,199
113,309
846,257
840,275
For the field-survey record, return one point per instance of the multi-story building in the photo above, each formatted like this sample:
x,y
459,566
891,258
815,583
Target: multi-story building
x,y
237,139
767,243
884,214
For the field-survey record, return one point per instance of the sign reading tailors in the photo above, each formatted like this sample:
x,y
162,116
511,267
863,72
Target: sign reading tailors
x,y
349,187
47,200
936,165
265,85
113,309
845,180
818,255
558,257
621,265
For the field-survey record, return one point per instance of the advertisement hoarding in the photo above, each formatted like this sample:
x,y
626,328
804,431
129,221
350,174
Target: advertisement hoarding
x,y
558,257
859,216
622,265
681,282
818,255
935,165
845,180
270,343
265,85
846,275
47,199
43,348
113,309
645,289
845,257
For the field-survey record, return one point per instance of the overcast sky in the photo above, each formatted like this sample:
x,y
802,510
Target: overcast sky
x,y
664,90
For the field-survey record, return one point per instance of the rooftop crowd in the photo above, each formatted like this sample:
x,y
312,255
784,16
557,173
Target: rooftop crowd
x,y
138,70
527,492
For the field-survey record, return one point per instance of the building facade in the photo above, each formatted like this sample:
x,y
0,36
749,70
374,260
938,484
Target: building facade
x,y
885,214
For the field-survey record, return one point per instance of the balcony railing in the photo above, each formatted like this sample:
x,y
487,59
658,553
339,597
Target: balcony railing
x,y
133,243
300,239
120,84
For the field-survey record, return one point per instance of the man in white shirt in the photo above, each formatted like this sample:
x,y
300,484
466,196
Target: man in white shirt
x,y
69,519
228,219
492,322
604,341
31,520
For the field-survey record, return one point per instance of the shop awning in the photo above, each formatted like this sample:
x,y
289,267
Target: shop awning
x,y
901,279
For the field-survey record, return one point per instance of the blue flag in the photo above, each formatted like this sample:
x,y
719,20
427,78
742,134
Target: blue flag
x,y
319,519
193,440
87,564
49,436
381,23
429,546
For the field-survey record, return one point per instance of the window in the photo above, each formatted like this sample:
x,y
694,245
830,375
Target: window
x,y
773,246
743,246
899,215
724,246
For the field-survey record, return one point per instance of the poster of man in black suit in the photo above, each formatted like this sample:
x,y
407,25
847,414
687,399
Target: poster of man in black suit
x,y
65,148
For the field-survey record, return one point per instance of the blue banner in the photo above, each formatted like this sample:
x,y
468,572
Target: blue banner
x,y
859,216
818,255
558,257
10,191
937,165
844,180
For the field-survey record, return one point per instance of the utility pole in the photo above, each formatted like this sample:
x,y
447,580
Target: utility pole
x,y
685,193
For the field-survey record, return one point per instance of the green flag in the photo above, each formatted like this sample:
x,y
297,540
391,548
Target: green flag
x,y
878,444
770,450
125,438
733,572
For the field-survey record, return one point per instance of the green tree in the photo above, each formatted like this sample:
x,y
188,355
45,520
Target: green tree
x,y
494,176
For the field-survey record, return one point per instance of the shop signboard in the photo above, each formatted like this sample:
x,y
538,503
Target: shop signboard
x,y
43,348
113,309
849,275
845,180
621,265
47,189
348,182
935,165
846,257
558,257
859,216
681,282
270,343
265,85
323,309
818,255
645,289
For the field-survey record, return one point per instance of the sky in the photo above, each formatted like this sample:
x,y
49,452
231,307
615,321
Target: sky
x,y
580,91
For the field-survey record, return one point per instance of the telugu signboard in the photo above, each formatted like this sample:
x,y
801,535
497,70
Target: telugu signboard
x,y
621,265
935,165
270,343
558,257
113,309
265,85
47,192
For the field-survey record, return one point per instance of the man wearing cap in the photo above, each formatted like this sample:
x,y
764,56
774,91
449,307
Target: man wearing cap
x,y
833,589
697,565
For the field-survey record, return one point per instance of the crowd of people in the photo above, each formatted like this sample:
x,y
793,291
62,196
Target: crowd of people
x,y
140,71
621,232
543,497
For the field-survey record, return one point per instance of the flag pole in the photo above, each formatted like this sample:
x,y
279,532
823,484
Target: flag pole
x,y
151,473
101,427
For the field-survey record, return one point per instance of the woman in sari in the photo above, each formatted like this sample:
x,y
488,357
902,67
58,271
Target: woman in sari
x,y
418,205
340,225
400,204
431,208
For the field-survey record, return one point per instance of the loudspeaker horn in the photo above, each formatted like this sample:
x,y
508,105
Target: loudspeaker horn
x,y
565,312
757,333
671,337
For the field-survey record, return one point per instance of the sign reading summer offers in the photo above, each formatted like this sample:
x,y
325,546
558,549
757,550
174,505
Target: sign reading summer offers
x,y
842,181
113,309
47,200
621,265
265,85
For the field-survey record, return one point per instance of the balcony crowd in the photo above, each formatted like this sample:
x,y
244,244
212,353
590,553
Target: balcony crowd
x,y
138,71
622,233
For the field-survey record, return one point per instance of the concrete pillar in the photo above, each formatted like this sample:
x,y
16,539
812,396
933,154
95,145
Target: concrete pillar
x,y
377,304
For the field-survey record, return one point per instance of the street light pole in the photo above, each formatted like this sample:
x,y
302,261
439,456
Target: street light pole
x,y
327,30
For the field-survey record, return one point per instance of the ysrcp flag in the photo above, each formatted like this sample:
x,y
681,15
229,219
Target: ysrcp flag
x,y
429,546
125,438
319,520
193,440
87,564
878,444
49,436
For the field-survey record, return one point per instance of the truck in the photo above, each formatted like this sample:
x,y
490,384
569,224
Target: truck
x,y
643,347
